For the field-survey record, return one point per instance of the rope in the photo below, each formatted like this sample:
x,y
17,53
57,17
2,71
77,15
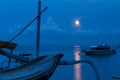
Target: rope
x,y
23,29
27,25
81,61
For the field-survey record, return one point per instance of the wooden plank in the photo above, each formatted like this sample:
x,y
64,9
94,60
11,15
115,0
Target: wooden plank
x,y
14,56
8,45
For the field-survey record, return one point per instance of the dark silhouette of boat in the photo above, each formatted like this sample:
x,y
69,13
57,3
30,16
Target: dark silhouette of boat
x,y
40,68
100,50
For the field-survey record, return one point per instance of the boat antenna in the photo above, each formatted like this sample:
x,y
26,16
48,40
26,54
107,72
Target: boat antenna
x,y
38,29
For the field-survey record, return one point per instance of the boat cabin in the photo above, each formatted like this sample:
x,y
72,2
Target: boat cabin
x,y
100,47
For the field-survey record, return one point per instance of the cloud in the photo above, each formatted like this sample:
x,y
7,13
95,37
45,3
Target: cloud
x,y
15,29
51,25
98,32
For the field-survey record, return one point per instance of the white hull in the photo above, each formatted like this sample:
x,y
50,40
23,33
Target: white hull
x,y
36,69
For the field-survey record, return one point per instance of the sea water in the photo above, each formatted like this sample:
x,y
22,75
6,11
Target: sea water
x,y
106,66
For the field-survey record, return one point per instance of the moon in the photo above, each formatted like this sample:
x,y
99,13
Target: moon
x,y
76,23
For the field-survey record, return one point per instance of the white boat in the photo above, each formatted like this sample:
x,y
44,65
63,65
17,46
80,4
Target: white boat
x,y
100,50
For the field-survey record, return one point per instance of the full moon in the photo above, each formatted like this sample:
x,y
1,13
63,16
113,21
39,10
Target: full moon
x,y
77,23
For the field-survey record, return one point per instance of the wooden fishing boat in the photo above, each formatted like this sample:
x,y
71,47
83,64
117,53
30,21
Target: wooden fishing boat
x,y
39,68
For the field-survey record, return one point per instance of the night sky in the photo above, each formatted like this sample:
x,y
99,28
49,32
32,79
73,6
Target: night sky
x,y
99,21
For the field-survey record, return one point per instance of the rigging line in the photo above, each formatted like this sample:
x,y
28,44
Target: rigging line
x,y
27,25
23,29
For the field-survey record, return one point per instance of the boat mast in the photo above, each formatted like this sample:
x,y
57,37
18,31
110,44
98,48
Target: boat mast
x,y
38,29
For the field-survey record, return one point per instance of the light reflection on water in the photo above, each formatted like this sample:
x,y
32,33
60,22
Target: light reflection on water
x,y
77,67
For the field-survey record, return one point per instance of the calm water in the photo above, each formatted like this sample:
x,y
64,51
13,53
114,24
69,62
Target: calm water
x,y
107,66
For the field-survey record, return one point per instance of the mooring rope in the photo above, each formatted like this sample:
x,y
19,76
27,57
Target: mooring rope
x,y
63,62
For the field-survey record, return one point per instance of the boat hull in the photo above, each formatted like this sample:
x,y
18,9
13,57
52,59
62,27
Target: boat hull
x,y
99,52
39,69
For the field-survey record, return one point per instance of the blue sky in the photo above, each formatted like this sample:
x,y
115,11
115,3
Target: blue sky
x,y
99,21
